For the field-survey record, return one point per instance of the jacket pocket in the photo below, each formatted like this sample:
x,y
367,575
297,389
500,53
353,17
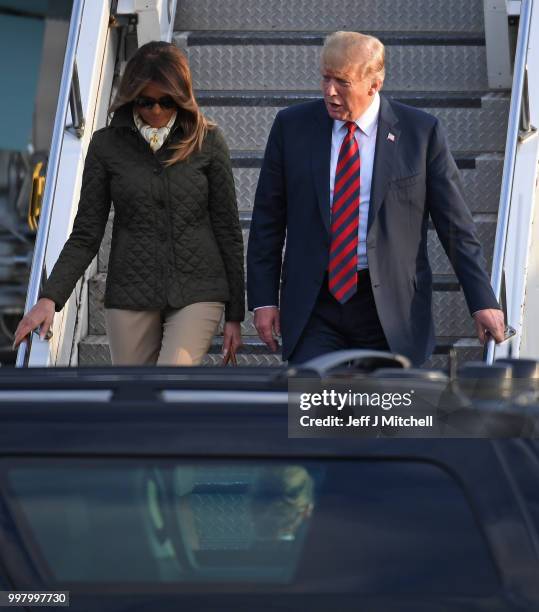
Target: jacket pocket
x,y
407,181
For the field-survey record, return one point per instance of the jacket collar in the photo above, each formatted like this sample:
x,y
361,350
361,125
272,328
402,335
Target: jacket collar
x,y
123,117
387,140
321,158
386,146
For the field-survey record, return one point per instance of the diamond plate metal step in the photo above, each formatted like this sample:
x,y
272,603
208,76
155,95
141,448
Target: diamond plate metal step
x,y
316,39
481,183
485,225
411,15
94,351
256,56
486,231
451,314
423,99
466,349
481,177
277,61
469,129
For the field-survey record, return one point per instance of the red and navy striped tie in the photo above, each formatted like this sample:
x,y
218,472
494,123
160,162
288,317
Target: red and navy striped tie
x,y
345,220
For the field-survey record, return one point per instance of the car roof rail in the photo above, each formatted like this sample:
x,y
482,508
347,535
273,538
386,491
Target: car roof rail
x,y
349,362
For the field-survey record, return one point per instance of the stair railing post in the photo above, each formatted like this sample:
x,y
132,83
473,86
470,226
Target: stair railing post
x,y
38,261
512,141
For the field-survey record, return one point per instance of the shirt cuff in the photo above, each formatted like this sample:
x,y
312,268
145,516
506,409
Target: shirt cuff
x,y
476,311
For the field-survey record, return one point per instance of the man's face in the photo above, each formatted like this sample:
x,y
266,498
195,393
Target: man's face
x,y
346,96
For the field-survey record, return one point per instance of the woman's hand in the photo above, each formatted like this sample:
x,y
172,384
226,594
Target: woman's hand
x,y
231,337
41,315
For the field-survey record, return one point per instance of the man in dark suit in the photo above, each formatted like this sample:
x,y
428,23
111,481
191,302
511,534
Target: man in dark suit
x,y
351,181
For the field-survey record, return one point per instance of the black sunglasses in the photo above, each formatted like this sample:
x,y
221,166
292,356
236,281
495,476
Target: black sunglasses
x,y
164,102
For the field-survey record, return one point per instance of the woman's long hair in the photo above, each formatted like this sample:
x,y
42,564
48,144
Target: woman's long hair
x,y
164,65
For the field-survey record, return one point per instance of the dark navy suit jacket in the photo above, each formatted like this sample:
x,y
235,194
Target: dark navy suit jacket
x,y
414,177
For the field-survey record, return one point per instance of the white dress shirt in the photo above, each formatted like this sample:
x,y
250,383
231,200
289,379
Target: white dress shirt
x,y
366,139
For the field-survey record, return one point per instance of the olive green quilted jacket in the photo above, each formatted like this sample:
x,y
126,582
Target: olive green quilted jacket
x,y
176,237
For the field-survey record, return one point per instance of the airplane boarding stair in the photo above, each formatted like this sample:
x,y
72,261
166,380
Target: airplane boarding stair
x,y
249,58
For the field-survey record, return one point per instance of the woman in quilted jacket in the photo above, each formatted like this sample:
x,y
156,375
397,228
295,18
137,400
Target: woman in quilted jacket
x,y
176,253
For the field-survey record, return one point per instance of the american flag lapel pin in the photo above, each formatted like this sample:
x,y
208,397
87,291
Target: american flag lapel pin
x,y
391,137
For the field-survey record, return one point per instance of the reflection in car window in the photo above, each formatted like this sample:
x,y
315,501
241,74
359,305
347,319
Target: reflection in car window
x,y
301,526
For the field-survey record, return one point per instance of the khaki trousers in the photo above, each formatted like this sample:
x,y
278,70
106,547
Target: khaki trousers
x,y
170,337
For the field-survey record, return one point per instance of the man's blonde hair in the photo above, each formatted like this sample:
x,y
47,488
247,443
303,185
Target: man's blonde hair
x,y
365,53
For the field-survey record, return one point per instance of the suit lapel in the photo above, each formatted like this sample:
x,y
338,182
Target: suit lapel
x,y
321,158
387,139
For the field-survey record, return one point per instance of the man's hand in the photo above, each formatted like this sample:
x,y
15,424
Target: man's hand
x,y
41,315
489,322
267,322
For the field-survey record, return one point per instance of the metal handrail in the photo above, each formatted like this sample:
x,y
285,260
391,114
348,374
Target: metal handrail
x,y
38,261
527,130
518,97
75,105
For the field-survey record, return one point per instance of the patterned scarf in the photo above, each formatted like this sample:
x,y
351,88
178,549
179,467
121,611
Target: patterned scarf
x,y
155,137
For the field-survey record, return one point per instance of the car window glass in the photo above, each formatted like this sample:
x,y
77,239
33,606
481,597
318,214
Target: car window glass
x,y
346,525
